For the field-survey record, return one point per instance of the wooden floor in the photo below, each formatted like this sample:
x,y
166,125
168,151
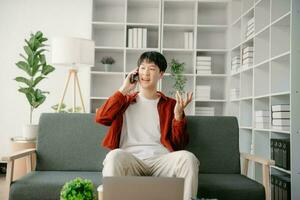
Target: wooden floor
x,y
2,187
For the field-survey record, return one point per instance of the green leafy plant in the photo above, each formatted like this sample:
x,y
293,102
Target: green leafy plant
x,y
177,70
64,108
107,60
78,189
35,66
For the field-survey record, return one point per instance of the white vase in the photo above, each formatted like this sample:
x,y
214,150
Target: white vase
x,y
107,67
30,131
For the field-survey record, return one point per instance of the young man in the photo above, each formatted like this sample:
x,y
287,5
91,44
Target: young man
x,y
147,132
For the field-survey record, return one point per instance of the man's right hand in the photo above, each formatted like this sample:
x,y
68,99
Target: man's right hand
x,y
127,86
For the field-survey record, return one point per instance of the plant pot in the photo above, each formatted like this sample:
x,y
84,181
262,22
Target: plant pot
x,y
30,131
107,67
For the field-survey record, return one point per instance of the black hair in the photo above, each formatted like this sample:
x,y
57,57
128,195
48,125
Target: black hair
x,y
155,57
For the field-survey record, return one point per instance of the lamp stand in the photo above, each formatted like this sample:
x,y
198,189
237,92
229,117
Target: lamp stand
x,y
72,72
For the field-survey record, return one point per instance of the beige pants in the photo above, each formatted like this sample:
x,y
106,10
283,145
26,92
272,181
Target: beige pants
x,y
181,164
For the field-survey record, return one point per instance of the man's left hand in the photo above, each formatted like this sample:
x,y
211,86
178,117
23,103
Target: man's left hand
x,y
181,104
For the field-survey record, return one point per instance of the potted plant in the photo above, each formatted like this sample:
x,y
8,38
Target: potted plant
x,y
78,188
107,61
64,108
177,70
36,68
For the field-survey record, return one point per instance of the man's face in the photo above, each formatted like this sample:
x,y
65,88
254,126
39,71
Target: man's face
x,y
149,75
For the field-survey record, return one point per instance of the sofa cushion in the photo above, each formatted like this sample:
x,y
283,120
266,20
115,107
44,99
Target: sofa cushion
x,y
70,141
46,185
229,186
215,142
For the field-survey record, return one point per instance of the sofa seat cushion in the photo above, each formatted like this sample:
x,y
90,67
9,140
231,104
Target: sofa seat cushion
x,y
46,185
229,186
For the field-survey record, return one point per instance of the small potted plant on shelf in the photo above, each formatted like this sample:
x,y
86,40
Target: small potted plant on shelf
x,y
107,61
64,109
35,66
177,70
78,188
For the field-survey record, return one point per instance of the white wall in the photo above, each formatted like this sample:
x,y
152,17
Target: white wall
x,y
19,18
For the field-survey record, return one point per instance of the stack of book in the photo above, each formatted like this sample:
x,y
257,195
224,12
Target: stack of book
x,y
250,29
280,187
205,111
247,57
281,116
203,92
188,40
235,64
203,65
137,38
234,93
280,152
262,119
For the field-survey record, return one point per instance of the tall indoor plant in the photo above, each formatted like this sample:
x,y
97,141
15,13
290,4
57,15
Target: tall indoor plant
x,y
177,70
36,68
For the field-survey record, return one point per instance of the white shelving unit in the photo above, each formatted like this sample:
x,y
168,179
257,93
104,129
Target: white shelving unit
x,y
219,30
166,22
269,80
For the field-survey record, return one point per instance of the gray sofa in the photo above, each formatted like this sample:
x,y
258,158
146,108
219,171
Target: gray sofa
x,y
68,146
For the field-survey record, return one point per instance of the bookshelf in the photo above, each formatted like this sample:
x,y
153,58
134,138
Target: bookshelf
x,y
220,30
268,80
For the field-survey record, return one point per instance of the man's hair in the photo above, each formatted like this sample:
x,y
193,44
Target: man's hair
x,y
155,57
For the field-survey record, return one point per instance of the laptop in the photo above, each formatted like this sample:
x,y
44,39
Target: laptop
x,y
142,188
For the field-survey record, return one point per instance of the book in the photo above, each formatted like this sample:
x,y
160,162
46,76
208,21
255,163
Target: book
x,y
281,107
250,21
203,58
262,119
248,49
186,40
248,54
262,125
281,122
191,40
262,113
140,37
135,38
204,63
203,67
280,115
130,35
145,35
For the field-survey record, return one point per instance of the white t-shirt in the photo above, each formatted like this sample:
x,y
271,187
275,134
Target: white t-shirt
x,y
140,133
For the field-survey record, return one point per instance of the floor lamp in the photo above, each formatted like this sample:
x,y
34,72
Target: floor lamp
x,y
73,53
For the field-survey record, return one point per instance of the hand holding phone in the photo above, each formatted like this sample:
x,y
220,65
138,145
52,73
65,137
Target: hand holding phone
x,y
134,78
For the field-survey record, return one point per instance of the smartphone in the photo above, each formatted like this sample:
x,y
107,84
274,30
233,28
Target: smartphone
x,y
134,78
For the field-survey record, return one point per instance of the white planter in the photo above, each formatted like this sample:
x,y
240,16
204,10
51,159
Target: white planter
x,y
30,131
107,67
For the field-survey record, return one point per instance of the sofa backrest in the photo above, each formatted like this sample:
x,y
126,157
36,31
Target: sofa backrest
x,y
70,142
215,142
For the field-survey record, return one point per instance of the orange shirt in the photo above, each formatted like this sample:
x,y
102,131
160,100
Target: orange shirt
x,y
174,134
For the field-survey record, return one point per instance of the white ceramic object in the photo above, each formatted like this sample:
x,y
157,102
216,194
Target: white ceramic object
x,y
30,131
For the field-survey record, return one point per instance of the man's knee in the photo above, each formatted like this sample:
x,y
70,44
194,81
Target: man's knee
x,y
189,157
115,155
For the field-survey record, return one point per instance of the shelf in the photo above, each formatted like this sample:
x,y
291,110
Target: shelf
x,y
236,10
247,6
143,11
173,37
112,36
215,51
179,50
236,35
109,11
246,127
147,25
211,39
219,107
261,79
280,40
281,169
108,48
178,12
211,100
185,57
217,85
261,47
246,113
279,8
118,56
98,98
262,15
213,75
280,72
246,83
107,73
212,13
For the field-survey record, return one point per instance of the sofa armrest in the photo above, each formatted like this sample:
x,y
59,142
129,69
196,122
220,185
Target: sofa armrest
x,y
266,163
19,154
257,159
28,153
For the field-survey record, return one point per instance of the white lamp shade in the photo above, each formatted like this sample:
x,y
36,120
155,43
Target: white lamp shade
x,y
73,52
